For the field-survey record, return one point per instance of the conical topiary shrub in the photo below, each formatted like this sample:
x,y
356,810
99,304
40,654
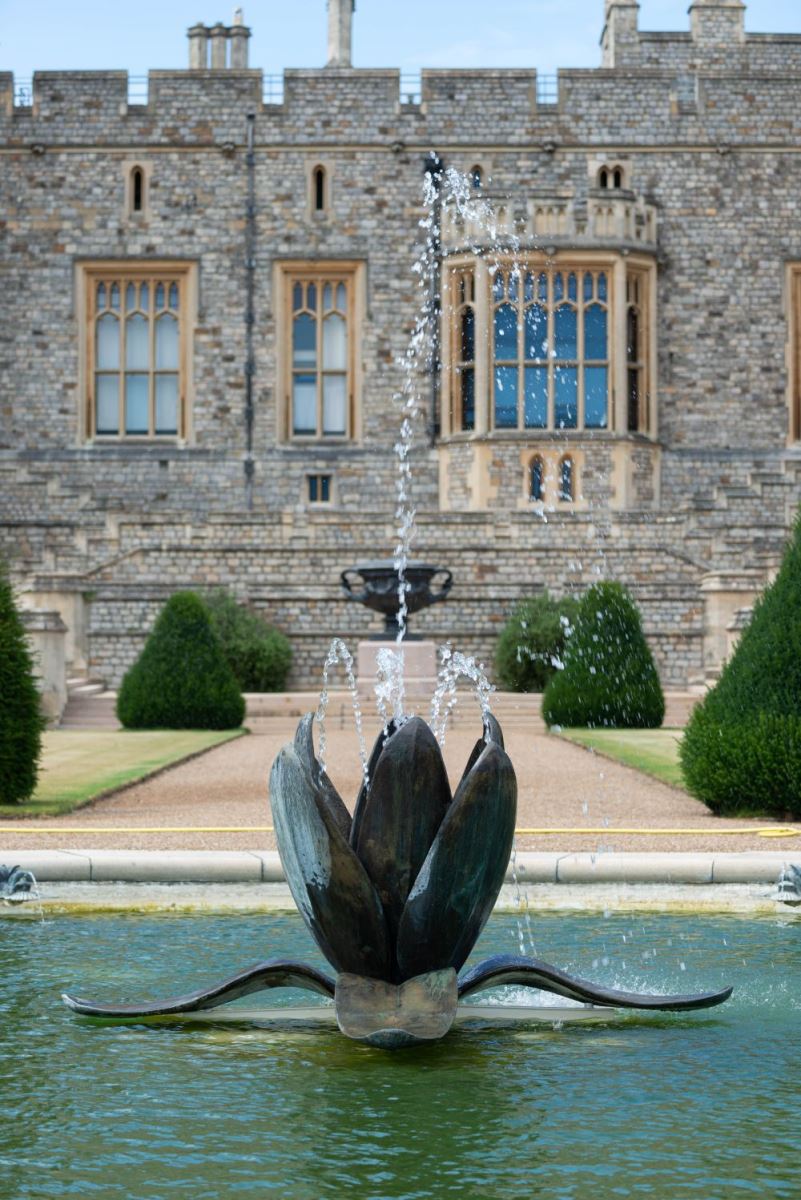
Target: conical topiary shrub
x,y
741,752
181,680
609,678
21,722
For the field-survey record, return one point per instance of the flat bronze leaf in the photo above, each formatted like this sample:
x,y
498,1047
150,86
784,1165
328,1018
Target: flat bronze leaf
x,y
330,886
407,799
504,970
459,882
276,973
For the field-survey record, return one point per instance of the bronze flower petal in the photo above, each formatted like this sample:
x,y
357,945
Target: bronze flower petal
x,y
329,796
330,886
459,882
358,811
408,797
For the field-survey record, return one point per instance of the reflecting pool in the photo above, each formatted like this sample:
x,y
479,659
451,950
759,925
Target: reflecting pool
x,y
667,1106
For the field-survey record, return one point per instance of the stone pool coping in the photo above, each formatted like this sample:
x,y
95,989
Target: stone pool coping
x,y
532,867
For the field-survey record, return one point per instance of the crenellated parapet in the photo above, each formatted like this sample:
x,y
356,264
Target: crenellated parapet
x,y
677,98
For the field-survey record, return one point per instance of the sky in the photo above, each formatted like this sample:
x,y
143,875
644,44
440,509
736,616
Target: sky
x,y
546,34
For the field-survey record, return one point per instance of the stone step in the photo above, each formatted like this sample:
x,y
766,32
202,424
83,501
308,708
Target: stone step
x,y
90,706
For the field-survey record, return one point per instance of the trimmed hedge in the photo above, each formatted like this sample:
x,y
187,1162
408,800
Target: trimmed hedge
x,y
609,678
259,655
21,721
741,751
181,680
533,641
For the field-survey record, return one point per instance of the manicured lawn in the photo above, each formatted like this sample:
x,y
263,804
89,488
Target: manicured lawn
x,y
78,765
653,751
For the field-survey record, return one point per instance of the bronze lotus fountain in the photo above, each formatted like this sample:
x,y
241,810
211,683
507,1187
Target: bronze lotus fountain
x,y
397,895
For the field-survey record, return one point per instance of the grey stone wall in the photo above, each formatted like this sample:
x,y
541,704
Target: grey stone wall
x,y
710,129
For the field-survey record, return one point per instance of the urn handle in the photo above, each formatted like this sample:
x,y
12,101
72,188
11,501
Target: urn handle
x,y
347,586
445,586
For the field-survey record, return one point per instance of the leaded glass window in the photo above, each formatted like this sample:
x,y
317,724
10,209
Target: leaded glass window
x,y
321,372
136,355
550,348
465,349
637,415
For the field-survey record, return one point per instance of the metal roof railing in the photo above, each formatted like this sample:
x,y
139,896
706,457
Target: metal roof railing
x,y
547,89
410,87
273,89
23,93
137,89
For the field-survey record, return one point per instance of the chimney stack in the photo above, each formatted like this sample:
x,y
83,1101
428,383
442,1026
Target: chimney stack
x,y
198,47
219,36
340,32
240,36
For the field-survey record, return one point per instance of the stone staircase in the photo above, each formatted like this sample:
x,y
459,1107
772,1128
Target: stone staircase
x,y
766,500
89,705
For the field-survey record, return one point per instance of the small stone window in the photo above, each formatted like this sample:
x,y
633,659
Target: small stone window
x,y
319,189
319,489
476,178
566,480
137,190
536,479
611,177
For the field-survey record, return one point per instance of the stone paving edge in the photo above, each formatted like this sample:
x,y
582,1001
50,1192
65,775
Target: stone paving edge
x,y
212,866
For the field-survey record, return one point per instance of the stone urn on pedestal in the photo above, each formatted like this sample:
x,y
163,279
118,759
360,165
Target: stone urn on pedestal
x,y
376,585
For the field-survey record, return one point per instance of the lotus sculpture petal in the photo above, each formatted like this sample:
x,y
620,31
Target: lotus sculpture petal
x,y
397,896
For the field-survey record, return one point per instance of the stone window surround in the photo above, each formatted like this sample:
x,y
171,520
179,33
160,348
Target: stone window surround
x,y
286,273
332,489
610,165
618,267
128,168
551,461
793,303
87,275
312,166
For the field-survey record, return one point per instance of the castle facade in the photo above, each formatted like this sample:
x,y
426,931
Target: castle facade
x,y
207,289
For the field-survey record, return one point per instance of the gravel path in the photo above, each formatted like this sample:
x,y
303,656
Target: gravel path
x,y
560,785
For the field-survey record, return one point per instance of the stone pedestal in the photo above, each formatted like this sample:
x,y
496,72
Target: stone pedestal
x,y
46,634
725,594
419,667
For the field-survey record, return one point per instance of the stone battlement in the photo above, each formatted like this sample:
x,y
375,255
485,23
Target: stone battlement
x,y
680,90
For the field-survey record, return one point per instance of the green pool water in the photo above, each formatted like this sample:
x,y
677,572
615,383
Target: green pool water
x,y
693,1105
